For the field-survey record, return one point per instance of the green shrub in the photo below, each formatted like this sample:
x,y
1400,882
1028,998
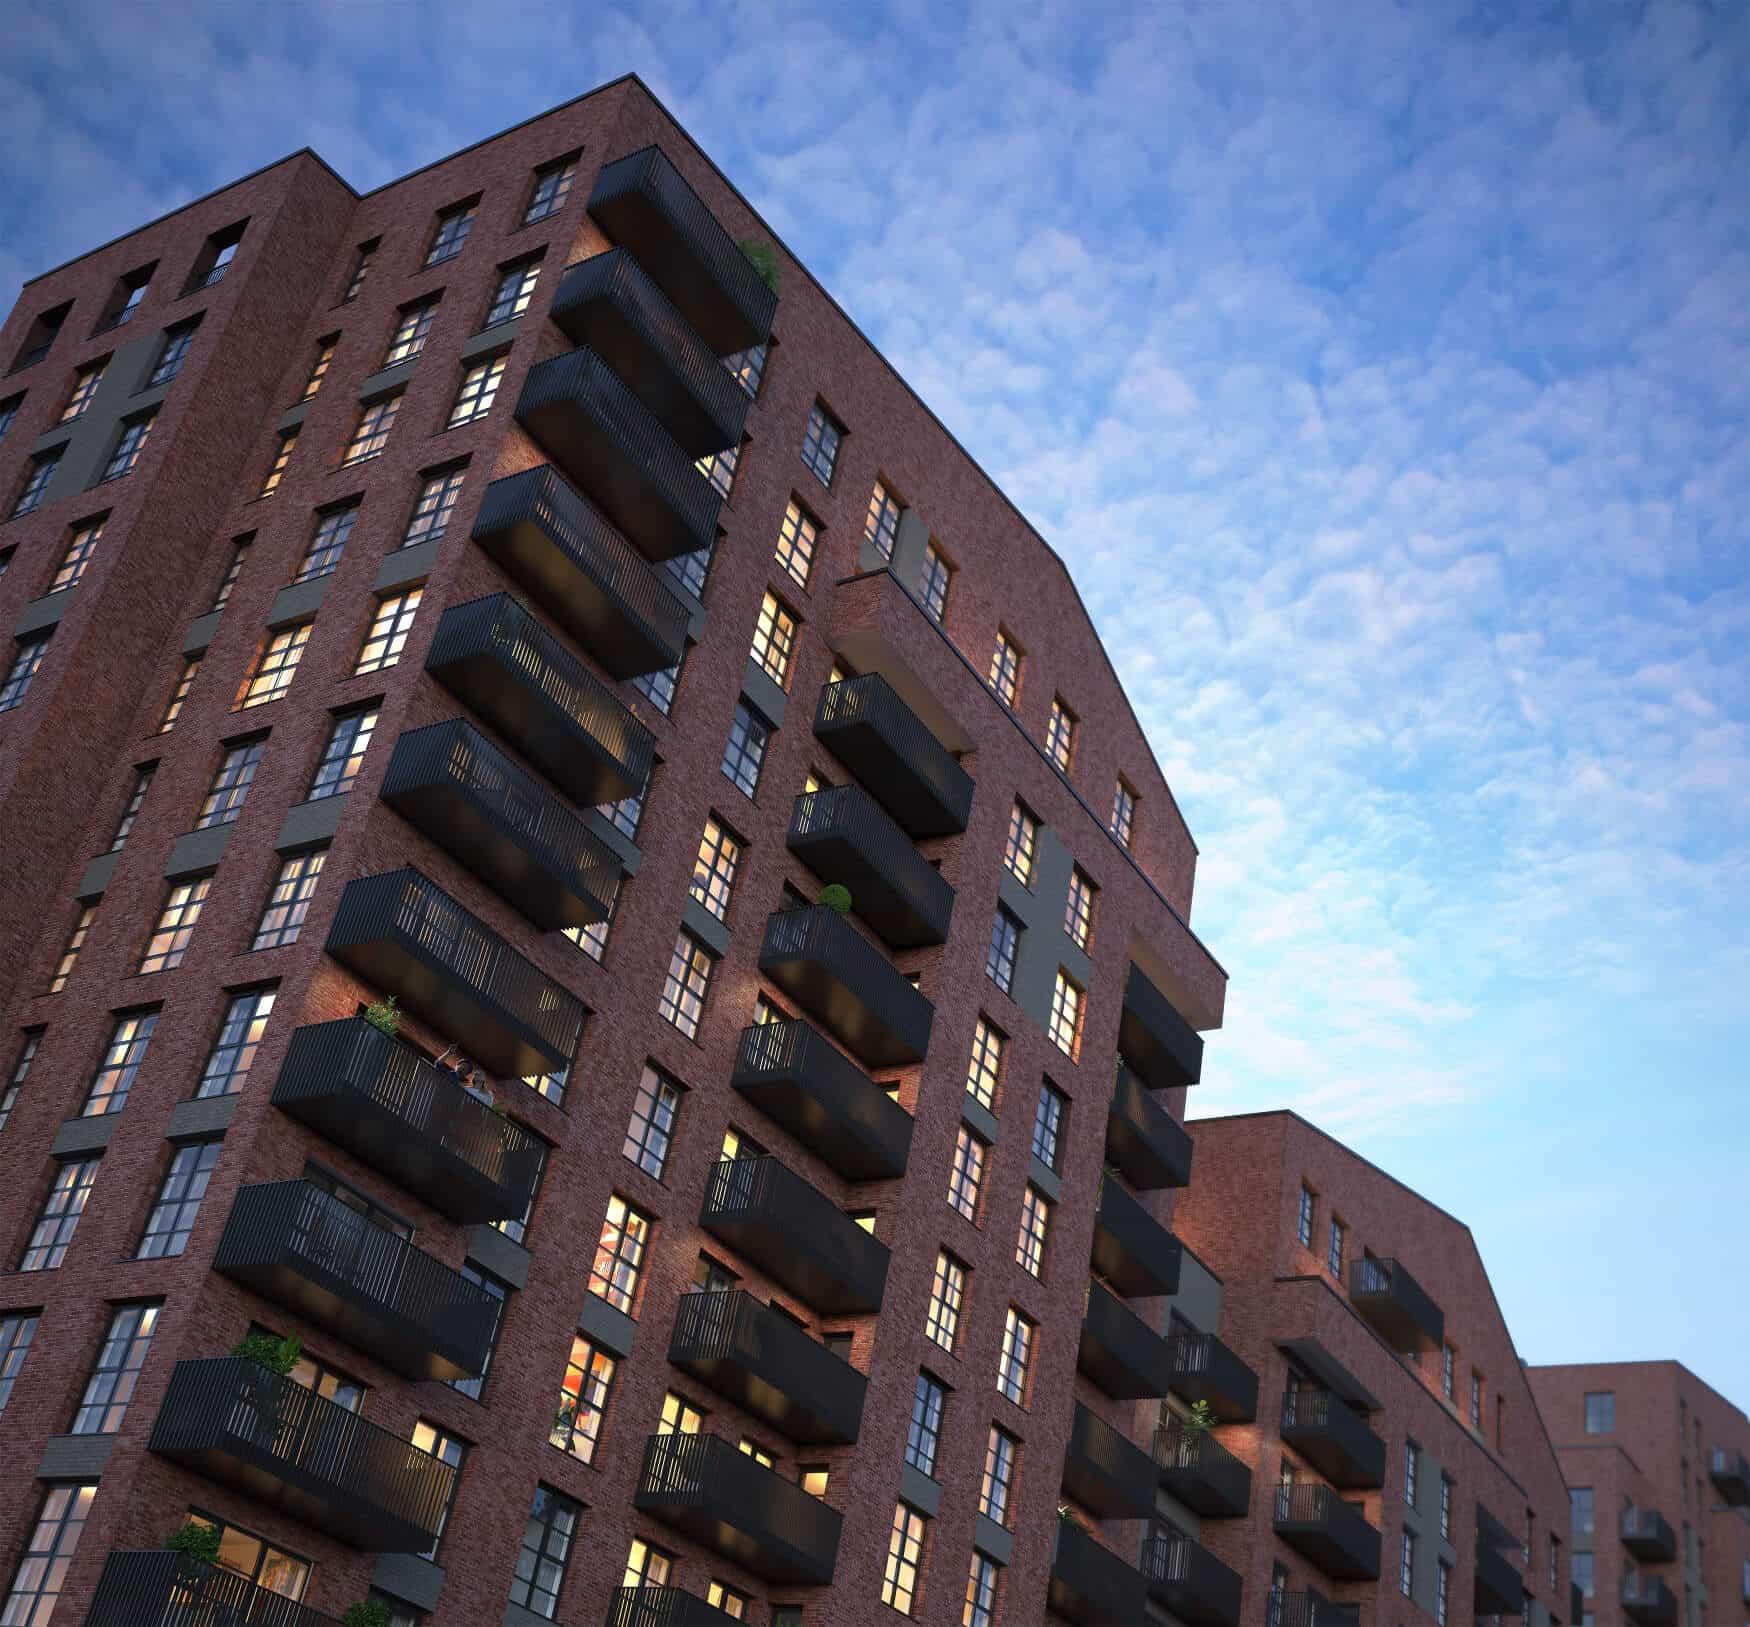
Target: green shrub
x,y
384,1016
277,1355
762,258
366,1613
1201,1417
194,1541
837,898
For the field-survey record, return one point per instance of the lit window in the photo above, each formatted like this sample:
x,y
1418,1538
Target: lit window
x,y
1066,1016
924,1435
646,1567
619,1255
820,443
934,582
679,1416
552,187
48,1553
412,328
327,542
719,469
659,687
319,367
1078,915
110,1387
177,344
225,796
999,958
583,1399
947,1291
881,523
233,1053
1035,1227
1123,813
905,1556
451,234
276,470
479,389
233,570
53,1233
714,868
80,547
985,1069
446,1448
115,1076
70,952
546,1551
26,661
1060,735
1005,669
687,984
16,1333
343,753
134,435
748,367
726,1599
593,939
176,924
511,296
745,749
389,629
15,1082
1017,1352
774,640
999,1476
361,268
431,514
966,1174
651,1131
550,1084
275,666
376,419
1020,851
752,1449
289,901
1048,1119
85,383
981,1593
796,538
37,475
178,1204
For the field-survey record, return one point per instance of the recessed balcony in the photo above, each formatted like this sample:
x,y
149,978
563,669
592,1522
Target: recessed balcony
x,y
1499,1589
1120,1352
841,979
154,1587
407,937
1333,1438
1143,1140
393,1110
1205,1370
863,722
1328,1532
1188,1581
1647,1534
296,1245
759,1358
1730,1474
1198,1471
1645,1599
775,1220
1391,1299
1132,1250
798,1078
1091,1584
563,551
843,835
1106,1472
493,816
704,1486
496,658
662,1607
242,1425
1157,1044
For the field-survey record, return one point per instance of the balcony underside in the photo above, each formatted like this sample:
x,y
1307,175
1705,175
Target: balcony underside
x,y
1125,1357
1198,1471
893,887
1189,1582
1330,1534
898,761
1157,1044
1132,1250
1499,1590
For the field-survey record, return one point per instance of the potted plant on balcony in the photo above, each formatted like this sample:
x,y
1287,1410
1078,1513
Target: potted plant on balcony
x,y
383,1015
764,261
1200,1418
836,898
257,1410
366,1613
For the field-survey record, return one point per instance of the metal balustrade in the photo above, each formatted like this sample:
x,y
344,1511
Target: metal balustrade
x,y
154,1587
1187,1580
1384,1292
1334,1535
1333,1437
863,722
662,1607
1647,1534
1205,1370
1105,1471
1198,1471
843,835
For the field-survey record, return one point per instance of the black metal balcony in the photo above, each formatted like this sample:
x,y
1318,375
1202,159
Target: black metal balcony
x,y
642,202
1120,1352
798,1078
1645,1599
1334,1438
1391,1299
842,835
773,1218
863,722
1107,1472
293,1243
561,548
1091,1584
1499,1589
1310,1609
1144,1140
610,303
494,656
1204,1369
498,820
392,1109
761,1359
1132,1250
1188,1581
1730,1474
240,1424
1198,1471
1330,1533
1155,1041
154,1587
406,936
662,1607
718,1495
613,448
837,975
1647,1534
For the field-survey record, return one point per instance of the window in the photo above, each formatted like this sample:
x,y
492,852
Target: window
x,y
178,341
479,389
752,1449
68,1194
1020,850
319,368
967,1173
85,383
1123,814
1005,668
659,687
1412,1464
746,748
999,1476
343,753
275,666
1334,1250
905,1556
80,547
687,984
37,475
1580,1573
120,1066
446,1448
726,1599
881,523
748,367
388,632
361,268
437,498
327,542
16,1332
1448,1372
27,1050
1442,1593
9,412
125,300
1017,1352
289,901
796,539
215,259
1066,1016
999,958
233,1053
511,296
117,1370
233,570
947,1291
1555,1562
472,1387
924,1435
981,1593
552,187
1060,735
1600,1412
1580,1511
934,582
26,662
70,952
719,469
376,419
1476,1400
619,1255
645,1566
1048,1119
179,1201
984,1070
413,327
276,470
1078,915
231,781
48,1553
1035,1227
583,1400
325,1381
820,443
447,241
593,939
1446,1508
546,1549
714,868
176,924
651,1131
774,640
679,1416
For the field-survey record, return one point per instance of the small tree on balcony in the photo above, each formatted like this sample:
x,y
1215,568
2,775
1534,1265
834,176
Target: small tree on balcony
x,y
197,1543
836,898
383,1015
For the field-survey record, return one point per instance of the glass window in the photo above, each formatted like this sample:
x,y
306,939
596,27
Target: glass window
x,y
999,1476
551,188
116,1371
679,1416
48,1553
177,344
1407,1564
437,499
479,390
714,868
1580,1573
1035,1227
1078,915
1123,813
1005,668
1601,1412
179,1200
473,1387
233,570
905,1558
276,469
947,1291
719,469
176,924
127,298
1442,1593
924,1435
128,447
361,268
289,901
546,1550
70,953
659,687
17,1329
27,660
27,1050
820,443
1412,1472
128,1042
80,547
1476,1400
796,539
1446,1508
651,1131
966,1174
371,433
343,753
1005,940
748,367
746,748
1017,1352
450,235
327,542
933,583
68,1194
593,939
389,628
732,1604
1060,735
984,1070
774,640
1066,1016
231,781
981,1593
1048,1119
37,475
514,290
1021,848
1580,1510
131,809
645,1566
881,523
233,1052
319,367
266,1566
583,1399
619,1255
8,413
275,666
688,983
1334,1252
85,383
446,1448
413,327
1307,1204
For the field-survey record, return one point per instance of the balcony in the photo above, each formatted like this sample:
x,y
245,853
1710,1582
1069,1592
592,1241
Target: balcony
x,y
1106,1472
1647,1534
1157,1043
1328,1532
560,548
1391,1299
662,1607
842,835
495,657
1091,1584
1333,1438
759,1358
1730,1475
1647,1600
1204,1369
1143,1140
614,449
1120,1352
704,1486
1188,1581
775,1220
863,722
157,1588
798,1078
1132,1250
1198,1471
1310,1609
1499,1590
493,816
406,936
294,1244
393,1110
240,1424
644,205
610,303
839,977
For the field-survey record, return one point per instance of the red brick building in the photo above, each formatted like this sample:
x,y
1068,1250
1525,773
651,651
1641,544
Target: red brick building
x,y
1658,1470
485,595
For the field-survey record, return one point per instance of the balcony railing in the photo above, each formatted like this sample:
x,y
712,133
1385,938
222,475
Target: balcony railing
x,y
642,202
408,937
773,1218
1144,1140
1647,1600
1120,1352
843,836
1310,1609
1132,1250
798,1078
1499,1590
238,1423
1332,1534
761,1359
564,552
154,1587
1391,1299
662,1607
388,1106
1730,1474
498,820
1334,1438
1155,1041
612,447
863,722
1198,1471
1204,1369
721,1497
1188,1581
839,977
297,1245
1091,1584
1647,1534
1105,1471
493,655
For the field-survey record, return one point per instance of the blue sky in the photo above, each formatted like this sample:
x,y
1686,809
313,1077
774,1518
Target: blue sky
x,y
1383,372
